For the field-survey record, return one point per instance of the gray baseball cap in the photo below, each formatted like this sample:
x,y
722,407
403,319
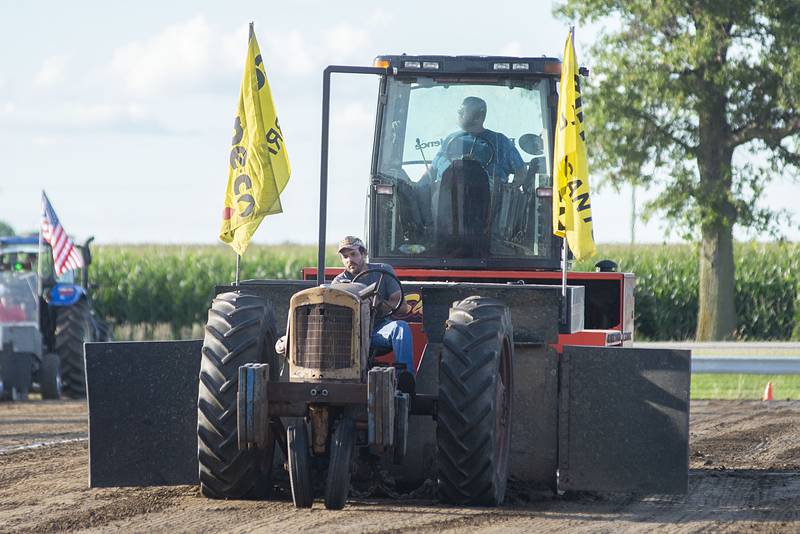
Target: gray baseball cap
x,y
350,242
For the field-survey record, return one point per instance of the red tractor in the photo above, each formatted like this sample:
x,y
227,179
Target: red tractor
x,y
514,377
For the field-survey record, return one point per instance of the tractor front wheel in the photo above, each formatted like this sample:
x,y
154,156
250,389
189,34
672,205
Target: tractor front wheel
x,y
240,329
73,328
299,465
473,433
50,376
337,485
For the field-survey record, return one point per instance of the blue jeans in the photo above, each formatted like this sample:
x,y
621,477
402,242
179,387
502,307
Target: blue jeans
x,y
395,335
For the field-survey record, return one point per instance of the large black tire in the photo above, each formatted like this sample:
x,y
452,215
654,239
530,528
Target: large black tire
x,y
337,484
473,430
240,330
73,328
50,376
299,465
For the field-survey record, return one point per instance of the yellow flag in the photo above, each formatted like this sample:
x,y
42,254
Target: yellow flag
x,y
258,163
572,209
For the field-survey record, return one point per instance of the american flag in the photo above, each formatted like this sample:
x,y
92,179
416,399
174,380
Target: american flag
x,y
65,256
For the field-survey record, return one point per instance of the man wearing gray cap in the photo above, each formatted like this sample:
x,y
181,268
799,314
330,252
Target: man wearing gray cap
x,y
387,333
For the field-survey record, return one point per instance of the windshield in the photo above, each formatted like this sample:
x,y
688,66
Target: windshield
x,y
18,301
464,170
24,258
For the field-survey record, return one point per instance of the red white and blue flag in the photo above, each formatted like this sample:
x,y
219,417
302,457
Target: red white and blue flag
x,y
65,256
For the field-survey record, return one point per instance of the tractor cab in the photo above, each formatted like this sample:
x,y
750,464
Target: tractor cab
x,y
462,163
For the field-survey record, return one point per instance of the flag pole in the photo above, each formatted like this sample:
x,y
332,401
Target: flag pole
x,y
564,268
564,241
250,33
39,272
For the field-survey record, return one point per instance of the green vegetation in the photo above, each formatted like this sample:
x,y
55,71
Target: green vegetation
x,y
152,284
163,292
672,98
767,286
749,387
174,284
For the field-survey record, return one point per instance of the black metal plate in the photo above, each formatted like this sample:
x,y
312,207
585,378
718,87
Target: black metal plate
x,y
535,309
142,412
624,420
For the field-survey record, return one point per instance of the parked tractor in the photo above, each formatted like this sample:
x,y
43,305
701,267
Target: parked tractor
x,y
516,377
44,321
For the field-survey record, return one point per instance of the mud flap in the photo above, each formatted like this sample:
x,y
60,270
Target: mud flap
x,y
624,420
142,400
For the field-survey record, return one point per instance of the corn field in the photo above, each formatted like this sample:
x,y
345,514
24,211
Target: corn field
x,y
153,291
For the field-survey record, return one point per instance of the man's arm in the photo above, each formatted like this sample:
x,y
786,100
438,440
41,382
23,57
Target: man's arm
x,y
517,165
521,175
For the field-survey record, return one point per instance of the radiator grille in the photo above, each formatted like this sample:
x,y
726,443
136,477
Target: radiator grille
x,y
324,336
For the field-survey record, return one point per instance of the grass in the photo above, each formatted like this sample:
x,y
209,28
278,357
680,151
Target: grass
x,y
744,387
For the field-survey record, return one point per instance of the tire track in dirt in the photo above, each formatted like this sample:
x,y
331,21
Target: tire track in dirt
x,y
45,489
132,503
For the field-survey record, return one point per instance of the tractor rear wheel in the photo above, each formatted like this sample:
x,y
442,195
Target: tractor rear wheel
x,y
473,431
299,465
337,484
73,327
50,376
240,329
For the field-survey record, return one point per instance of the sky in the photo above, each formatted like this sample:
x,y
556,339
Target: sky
x,y
123,111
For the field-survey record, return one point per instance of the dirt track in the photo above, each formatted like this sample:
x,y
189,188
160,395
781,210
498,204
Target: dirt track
x,y
745,460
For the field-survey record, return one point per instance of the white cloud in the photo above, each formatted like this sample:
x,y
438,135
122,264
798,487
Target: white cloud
x,y
94,114
513,48
181,56
302,54
343,40
51,72
8,108
378,17
291,53
45,140
73,117
195,55
352,115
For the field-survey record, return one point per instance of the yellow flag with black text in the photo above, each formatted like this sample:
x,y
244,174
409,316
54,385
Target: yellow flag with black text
x,y
258,163
572,209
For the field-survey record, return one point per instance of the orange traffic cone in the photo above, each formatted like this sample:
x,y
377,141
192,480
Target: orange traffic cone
x,y
767,392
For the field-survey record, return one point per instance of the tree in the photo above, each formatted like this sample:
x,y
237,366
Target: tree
x,y
682,91
5,229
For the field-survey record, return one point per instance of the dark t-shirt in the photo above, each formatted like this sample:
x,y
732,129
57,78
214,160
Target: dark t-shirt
x,y
388,286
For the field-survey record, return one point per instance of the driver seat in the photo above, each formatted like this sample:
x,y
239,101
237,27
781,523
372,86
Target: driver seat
x,y
461,200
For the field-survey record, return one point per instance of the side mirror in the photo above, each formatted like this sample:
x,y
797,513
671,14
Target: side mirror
x,y
605,266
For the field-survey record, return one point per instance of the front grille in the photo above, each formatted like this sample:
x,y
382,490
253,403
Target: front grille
x,y
324,336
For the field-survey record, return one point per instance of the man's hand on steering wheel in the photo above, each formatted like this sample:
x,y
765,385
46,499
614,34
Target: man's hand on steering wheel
x,y
377,300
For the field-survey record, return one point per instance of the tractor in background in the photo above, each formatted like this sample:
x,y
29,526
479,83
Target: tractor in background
x,y
44,321
516,377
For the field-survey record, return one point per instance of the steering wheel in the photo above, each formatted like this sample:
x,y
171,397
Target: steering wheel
x,y
463,147
380,283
